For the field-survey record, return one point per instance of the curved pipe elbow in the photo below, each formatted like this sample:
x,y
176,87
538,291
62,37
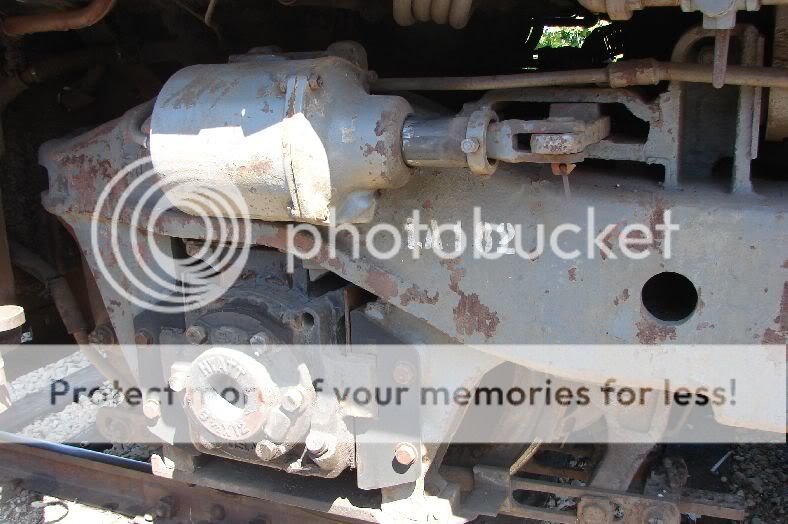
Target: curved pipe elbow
x,y
80,18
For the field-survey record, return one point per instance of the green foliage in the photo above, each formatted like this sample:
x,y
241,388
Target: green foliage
x,y
557,36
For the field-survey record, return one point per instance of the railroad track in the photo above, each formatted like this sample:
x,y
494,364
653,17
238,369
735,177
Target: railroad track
x,y
128,487
239,493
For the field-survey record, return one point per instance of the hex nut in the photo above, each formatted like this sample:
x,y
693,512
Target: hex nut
x,y
196,335
261,338
266,450
469,145
143,338
293,400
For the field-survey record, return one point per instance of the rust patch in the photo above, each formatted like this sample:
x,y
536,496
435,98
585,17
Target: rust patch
x,y
704,325
649,332
456,273
658,218
572,274
190,94
470,315
386,121
427,204
621,298
382,284
779,335
771,336
418,295
379,148
253,169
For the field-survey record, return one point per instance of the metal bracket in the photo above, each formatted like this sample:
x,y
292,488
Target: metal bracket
x,y
475,145
562,138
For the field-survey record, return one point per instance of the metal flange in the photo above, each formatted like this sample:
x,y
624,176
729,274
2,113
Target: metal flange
x,y
475,144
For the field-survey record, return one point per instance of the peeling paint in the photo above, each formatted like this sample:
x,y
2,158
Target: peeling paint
x,y
418,295
649,332
621,298
470,315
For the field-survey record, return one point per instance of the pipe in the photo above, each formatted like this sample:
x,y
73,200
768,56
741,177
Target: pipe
x,y
135,121
620,74
58,21
63,297
606,6
484,83
67,307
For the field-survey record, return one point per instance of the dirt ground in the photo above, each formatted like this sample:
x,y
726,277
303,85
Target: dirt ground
x,y
18,506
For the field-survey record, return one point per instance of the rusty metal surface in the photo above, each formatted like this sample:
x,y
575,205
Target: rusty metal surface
x,y
475,299
635,506
512,300
660,146
135,493
241,494
562,138
491,485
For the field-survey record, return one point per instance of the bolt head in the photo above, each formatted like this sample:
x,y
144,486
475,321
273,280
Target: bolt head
x,y
404,373
177,382
315,82
470,145
196,334
406,454
260,338
151,408
292,400
316,444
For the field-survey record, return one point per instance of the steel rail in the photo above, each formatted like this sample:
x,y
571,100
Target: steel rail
x,y
127,487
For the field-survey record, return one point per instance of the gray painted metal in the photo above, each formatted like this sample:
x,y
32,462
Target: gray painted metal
x,y
296,137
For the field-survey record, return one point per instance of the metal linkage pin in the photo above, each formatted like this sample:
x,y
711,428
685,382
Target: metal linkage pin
x,y
564,170
722,42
